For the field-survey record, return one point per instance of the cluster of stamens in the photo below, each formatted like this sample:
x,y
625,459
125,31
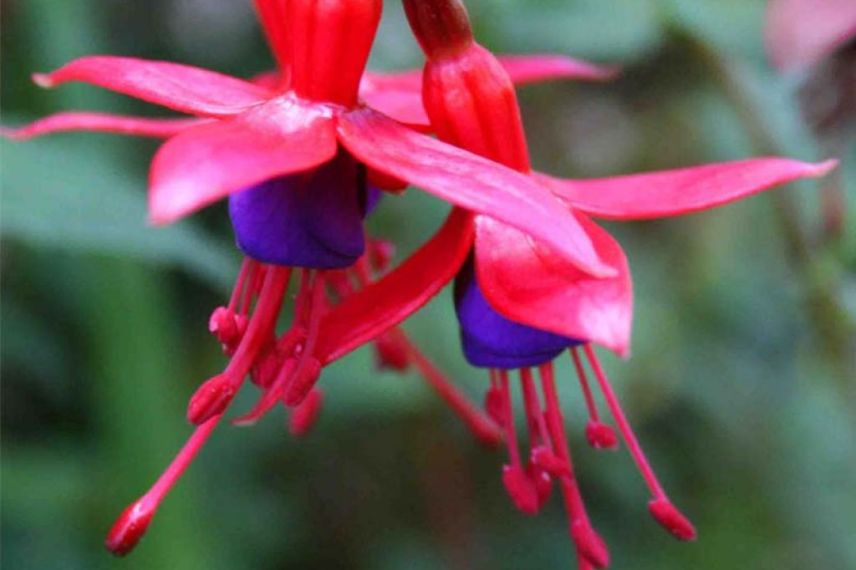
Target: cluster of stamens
x,y
529,483
284,366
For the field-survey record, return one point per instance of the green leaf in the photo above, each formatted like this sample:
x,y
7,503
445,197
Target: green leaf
x,y
79,197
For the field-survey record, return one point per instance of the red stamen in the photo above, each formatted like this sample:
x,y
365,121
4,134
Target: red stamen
x,y
306,414
238,289
661,508
537,471
392,351
482,427
308,368
493,399
665,513
599,435
381,253
518,484
588,542
132,524
214,395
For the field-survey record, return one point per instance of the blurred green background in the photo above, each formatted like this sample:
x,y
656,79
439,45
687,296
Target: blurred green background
x,y
741,383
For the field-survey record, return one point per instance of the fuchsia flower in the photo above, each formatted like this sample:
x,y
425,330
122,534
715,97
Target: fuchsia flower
x,y
799,33
301,154
278,147
519,305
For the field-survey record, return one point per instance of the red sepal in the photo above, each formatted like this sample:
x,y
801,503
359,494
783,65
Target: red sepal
x,y
101,122
376,308
209,162
469,181
681,191
527,283
180,87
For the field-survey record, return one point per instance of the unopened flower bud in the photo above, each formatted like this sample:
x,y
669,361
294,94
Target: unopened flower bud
x,y
210,399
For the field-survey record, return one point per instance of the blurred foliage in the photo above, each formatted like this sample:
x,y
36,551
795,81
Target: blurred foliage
x,y
741,382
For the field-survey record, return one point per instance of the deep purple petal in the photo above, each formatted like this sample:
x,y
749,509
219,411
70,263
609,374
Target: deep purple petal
x,y
491,340
311,219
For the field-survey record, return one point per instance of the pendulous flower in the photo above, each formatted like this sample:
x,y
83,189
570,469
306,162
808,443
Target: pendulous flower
x,y
519,305
278,147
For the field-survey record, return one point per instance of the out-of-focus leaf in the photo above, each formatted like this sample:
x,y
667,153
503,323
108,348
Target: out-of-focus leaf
x,y
77,197
606,31
733,26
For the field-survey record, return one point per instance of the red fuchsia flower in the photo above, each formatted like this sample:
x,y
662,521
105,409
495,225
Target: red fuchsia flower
x,y
799,33
518,304
278,147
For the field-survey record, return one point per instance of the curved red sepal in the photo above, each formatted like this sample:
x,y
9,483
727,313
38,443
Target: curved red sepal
x,y
525,69
469,181
180,87
681,191
101,122
527,283
209,162
371,311
799,33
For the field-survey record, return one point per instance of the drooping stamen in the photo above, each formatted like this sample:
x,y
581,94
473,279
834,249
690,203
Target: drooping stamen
x,y
493,403
599,435
226,323
215,394
290,347
132,524
482,427
589,544
539,468
660,507
308,368
517,483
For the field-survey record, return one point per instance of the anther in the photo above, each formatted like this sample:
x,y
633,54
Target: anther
x,y
589,543
381,252
549,462
392,351
601,436
670,518
210,399
520,489
304,416
304,379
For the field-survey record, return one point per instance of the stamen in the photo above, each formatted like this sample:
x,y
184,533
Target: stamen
x,y
517,483
589,544
132,524
381,252
599,435
246,267
482,427
308,368
214,395
660,507
539,467
493,403
392,350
